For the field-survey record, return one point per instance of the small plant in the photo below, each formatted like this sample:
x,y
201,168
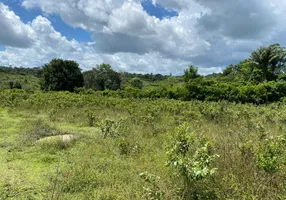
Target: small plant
x,y
127,148
15,84
192,157
111,128
271,154
53,114
124,147
153,191
91,117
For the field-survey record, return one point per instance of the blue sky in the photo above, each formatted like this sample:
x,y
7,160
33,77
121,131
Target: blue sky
x,y
157,10
148,36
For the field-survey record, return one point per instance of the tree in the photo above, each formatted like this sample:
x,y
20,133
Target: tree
x,y
102,77
270,61
61,75
15,85
136,82
191,73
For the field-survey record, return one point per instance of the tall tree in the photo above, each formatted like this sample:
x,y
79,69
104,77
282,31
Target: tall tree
x,y
191,73
61,75
102,77
269,60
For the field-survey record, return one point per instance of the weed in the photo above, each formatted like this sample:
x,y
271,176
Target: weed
x,y
152,191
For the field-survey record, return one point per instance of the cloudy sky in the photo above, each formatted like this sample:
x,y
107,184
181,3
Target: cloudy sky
x,y
145,36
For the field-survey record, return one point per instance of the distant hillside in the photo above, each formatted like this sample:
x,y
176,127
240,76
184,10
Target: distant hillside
x,y
25,78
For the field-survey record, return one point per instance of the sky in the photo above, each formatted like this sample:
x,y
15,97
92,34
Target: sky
x,y
139,36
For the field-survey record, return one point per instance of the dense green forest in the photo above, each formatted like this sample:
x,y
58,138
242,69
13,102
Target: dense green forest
x,y
103,134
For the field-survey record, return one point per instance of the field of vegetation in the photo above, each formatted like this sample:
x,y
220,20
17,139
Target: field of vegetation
x,y
139,148
106,135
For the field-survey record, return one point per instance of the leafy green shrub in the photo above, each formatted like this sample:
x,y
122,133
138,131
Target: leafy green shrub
x,y
271,155
111,128
15,85
136,83
192,157
124,146
91,117
153,191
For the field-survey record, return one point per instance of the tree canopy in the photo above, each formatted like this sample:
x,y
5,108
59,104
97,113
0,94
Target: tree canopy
x,y
268,61
102,77
61,75
190,73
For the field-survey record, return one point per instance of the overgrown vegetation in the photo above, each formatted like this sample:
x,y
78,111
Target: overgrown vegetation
x,y
132,136
139,148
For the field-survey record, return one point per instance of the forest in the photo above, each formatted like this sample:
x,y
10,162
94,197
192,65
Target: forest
x,y
103,134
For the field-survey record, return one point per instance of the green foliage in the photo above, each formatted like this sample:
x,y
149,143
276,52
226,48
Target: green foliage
x,y
119,133
124,146
250,140
36,71
153,192
15,85
267,92
146,77
271,155
91,116
193,164
29,83
269,60
190,73
101,78
192,157
35,131
136,83
111,128
264,64
61,75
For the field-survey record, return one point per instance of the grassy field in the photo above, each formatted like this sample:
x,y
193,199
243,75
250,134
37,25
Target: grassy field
x,y
139,148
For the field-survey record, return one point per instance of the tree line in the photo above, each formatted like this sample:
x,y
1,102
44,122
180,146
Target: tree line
x,y
258,79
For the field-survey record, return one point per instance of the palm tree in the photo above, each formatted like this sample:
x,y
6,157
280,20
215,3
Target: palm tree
x,y
270,60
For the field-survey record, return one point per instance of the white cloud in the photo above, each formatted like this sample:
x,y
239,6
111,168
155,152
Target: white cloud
x,y
237,19
47,45
209,34
51,44
87,14
131,29
13,31
124,26
132,20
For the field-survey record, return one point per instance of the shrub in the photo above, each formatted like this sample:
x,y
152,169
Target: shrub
x,y
192,157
